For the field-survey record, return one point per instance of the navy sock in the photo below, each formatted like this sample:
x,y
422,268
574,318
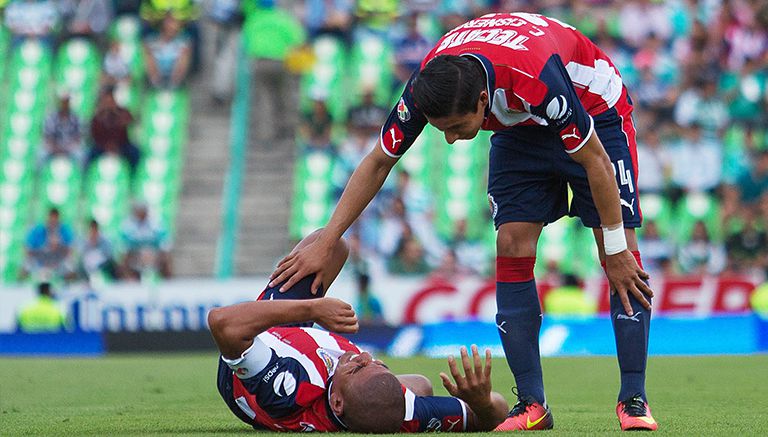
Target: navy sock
x,y
631,343
519,320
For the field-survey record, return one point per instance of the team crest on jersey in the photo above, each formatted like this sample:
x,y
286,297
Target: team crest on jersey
x,y
402,111
328,360
241,371
557,109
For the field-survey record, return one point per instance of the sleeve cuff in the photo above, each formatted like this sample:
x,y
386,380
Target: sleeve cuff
x,y
586,138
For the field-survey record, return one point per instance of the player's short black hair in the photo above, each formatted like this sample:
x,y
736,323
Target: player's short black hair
x,y
449,85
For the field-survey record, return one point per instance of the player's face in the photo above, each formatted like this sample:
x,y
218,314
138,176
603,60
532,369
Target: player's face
x,y
356,368
464,126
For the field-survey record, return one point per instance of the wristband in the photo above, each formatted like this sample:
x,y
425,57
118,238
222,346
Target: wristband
x,y
614,240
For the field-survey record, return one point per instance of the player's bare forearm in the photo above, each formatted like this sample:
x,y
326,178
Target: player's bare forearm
x,y
602,182
234,327
362,186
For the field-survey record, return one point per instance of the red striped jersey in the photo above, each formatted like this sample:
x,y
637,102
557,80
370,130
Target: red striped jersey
x,y
539,71
291,392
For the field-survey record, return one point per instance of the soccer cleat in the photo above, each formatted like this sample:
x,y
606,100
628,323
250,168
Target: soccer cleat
x,y
634,414
527,415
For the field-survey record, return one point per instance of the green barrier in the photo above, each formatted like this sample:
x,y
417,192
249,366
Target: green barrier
x,y
233,180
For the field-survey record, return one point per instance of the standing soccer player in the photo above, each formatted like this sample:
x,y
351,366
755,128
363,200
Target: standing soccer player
x,y
562,118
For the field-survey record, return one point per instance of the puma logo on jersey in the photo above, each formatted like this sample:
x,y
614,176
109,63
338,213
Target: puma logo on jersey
x,y
392,139
628,205
571,135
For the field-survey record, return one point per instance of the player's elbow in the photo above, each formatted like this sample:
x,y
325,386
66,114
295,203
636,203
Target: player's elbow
x,y
217,322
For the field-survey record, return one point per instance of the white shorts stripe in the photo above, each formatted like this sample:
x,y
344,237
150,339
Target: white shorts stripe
x,y
410,404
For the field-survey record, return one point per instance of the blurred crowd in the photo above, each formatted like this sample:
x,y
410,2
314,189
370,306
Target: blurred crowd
x,y
696,71
168,38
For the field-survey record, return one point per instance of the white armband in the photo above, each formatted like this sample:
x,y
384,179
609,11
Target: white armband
x,y
614,240
252,361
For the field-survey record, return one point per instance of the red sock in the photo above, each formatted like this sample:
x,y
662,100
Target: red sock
x,y
509,269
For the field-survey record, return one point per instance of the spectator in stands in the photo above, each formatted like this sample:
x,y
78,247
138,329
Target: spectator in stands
x,y
167,55
705,152
658,251
449,268
324,17
746,92
754,183
273,37
569,299
470,255
394,228
747,246
227,18
96,261
315,127
408,259
116,67
43,315
420,215
367,116
700,255
147,247
410,49
109,130
154,12
62,134
656,161
90,19
640,18
701,103
32,19
375,16
48,249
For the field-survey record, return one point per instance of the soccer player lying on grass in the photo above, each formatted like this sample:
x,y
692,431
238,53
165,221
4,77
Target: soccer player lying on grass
x,y
278,373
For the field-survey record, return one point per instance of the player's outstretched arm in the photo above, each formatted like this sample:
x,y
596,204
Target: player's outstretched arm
x,y
624,275
487,408
234,327
364,183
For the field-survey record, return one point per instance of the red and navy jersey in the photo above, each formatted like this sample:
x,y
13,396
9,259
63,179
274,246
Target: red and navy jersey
x,y
539,71
291,392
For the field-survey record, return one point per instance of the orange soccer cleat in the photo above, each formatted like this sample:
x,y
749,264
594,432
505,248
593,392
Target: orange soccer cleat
x,y
527,415
634,414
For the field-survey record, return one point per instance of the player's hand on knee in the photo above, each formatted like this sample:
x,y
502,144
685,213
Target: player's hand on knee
x,y
625,278
474,387
334,315
299,264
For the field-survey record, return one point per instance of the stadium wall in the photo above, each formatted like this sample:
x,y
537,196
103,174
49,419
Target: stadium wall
x,y
693,315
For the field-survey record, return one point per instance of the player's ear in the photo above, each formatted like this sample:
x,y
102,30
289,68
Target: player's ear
x,y
337,403
482,101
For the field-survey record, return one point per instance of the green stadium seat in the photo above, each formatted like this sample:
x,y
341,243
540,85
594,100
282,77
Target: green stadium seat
x,y
60,183
313,193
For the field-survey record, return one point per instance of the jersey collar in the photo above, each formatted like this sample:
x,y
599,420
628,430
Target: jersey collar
x,y
334,418
490,78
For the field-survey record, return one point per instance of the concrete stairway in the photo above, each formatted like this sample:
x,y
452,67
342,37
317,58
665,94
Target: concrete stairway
x,y
198,223
265,204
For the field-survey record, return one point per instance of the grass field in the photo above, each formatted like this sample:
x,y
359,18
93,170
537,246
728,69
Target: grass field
x,y
176,394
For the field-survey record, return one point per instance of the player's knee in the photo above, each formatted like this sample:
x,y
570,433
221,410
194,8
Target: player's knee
x,y
508,244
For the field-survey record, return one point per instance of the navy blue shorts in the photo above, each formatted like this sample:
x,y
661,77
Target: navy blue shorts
x,y
530,171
